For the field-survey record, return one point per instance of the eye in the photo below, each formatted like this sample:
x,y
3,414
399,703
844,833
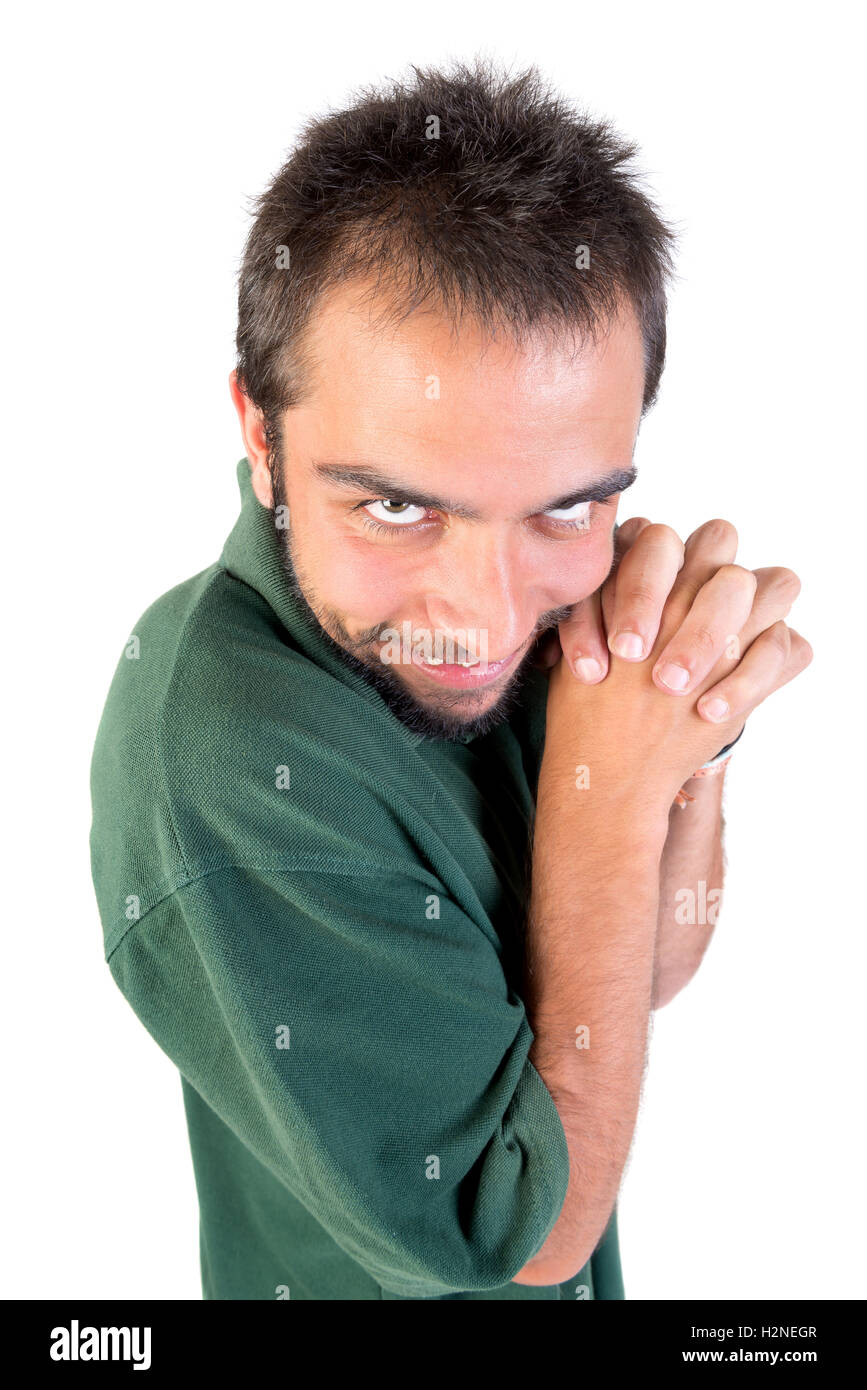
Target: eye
x,y
396,513
577,515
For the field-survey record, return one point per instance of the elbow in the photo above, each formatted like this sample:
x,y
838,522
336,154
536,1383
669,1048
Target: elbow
x,y
540,1274
545,1270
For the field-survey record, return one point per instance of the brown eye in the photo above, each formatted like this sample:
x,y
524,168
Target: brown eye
x,y
396,513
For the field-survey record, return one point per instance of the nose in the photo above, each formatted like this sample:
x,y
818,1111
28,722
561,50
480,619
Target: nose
x,y
480,587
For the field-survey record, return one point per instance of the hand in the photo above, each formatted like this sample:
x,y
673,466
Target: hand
x,y
725,612
684,605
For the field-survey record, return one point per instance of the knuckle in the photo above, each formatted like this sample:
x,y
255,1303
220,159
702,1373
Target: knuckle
x,y
738,574
641,594
779,637
786,582
582,619
703,639
634,523
800,647
659,531
719,532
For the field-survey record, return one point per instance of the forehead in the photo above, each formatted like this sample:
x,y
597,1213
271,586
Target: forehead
x,y
453,403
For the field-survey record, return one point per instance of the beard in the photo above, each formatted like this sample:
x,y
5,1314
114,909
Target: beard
x,y
456,714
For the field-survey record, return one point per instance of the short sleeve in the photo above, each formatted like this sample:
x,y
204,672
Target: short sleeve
x,y
355,1029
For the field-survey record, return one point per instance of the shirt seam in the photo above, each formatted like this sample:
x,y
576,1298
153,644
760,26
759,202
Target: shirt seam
x,y
316,862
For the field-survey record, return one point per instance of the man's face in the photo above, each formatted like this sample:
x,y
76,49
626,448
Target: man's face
x,y
430,479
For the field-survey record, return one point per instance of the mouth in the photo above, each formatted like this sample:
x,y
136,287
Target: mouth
x,y
471,675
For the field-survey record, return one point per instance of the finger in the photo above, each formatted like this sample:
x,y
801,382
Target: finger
x,y
583,636
721,607
707,549
711,545
644,581
625,536
776,656
628,531
776,591
582,639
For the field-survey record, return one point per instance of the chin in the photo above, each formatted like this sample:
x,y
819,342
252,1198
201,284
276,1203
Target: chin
x,y
455,714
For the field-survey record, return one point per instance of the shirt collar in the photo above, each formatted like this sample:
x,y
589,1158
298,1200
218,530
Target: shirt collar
x,y
252,554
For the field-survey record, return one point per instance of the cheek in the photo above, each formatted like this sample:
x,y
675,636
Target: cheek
x,y
342,572
573,572
363,585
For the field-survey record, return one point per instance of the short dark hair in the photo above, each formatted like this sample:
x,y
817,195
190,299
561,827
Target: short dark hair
x,y
469,190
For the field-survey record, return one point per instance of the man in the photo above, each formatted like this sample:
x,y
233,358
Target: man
x,y
411,1034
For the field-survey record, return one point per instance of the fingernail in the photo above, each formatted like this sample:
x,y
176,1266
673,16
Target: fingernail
x,y
715,709
628,645
587,669
673,676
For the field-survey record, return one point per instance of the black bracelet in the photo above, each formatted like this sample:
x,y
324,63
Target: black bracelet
x,y
728,748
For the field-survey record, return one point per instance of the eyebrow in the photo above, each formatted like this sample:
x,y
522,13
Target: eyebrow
x,y
362,476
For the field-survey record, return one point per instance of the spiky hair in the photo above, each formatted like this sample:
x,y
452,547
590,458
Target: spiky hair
x,y
467,190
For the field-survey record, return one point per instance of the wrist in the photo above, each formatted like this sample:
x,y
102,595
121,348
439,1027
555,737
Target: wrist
x,y
721,757
596,802
714,767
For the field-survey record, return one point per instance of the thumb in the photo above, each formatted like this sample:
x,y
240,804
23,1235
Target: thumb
x,y
582,638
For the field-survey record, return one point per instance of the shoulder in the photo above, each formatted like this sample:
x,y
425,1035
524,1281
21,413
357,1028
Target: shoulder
x,y
222,744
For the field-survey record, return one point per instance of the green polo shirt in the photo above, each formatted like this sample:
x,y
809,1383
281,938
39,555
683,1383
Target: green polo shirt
x,y
317,915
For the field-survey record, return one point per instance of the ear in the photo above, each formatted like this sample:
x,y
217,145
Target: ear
x,y
253,433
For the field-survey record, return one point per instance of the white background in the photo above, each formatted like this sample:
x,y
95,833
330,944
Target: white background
x,y
135,140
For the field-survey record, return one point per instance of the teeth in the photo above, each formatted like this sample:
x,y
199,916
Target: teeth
x,y
439,661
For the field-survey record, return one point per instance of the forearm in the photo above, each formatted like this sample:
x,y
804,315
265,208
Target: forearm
x,y
691,882
589,977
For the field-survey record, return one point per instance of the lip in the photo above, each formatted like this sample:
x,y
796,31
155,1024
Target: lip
x,y
466,677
